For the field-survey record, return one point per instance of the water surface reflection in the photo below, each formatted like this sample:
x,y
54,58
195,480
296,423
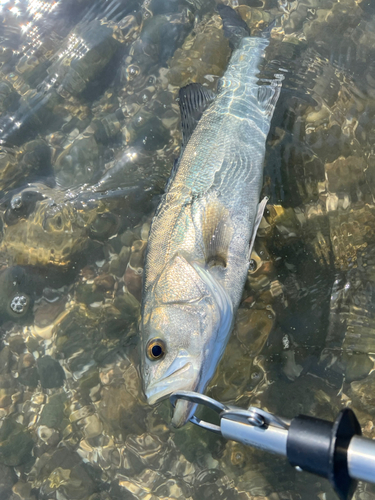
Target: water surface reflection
x,y
89,131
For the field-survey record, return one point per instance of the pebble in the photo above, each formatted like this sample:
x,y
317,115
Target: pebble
x,y
50,372
15,443
48,435
7,479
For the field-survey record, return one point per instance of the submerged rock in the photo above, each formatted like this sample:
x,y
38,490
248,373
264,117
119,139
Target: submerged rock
x,y
50,372
7,479
15,443
52,414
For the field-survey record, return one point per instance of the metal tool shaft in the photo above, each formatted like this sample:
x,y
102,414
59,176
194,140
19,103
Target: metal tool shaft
x,y
361,459
269,438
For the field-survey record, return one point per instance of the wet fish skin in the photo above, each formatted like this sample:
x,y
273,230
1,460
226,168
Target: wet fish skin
x,y
200,238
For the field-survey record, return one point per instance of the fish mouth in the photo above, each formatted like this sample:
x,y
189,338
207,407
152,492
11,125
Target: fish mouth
x,y
183,412
182,375
174,380
183,378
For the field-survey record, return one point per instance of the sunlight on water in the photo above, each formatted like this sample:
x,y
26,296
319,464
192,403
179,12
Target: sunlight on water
x,y
89,131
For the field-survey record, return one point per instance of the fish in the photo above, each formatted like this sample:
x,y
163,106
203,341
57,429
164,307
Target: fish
x,y
204,228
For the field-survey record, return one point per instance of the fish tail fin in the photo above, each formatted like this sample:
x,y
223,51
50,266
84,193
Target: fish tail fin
x,y
234,26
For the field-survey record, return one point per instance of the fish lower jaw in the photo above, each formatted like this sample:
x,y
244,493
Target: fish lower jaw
x,y
154,395
184,379
182,413
183,410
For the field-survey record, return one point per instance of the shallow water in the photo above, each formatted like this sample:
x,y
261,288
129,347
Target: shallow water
x,y
89,130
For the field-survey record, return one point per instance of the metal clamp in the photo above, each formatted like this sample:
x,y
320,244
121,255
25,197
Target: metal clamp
x,y
200,399
253,416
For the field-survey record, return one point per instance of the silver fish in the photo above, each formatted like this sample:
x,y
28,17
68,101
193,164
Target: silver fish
x,y
203,231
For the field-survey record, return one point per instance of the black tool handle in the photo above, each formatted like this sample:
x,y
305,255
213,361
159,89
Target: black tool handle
x,y
321,447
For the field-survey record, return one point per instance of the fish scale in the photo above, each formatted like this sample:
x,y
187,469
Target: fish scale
x,y
204,227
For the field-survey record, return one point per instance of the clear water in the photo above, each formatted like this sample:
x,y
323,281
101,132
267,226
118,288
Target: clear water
x,y
89,130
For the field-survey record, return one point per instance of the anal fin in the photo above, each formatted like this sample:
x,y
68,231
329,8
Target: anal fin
x,y
194,99
217,232
258,218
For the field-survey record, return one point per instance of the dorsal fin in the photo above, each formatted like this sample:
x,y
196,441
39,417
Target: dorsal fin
x,y
217,232
194,99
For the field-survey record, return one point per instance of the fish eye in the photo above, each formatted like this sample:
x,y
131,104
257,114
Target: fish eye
x,y
155,349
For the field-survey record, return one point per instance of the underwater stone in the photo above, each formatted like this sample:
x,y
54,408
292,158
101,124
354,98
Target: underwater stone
x,y
89,380
253,326
148,449
47,312
28,377
344,173
15,443
92,426
88,293
17,344
104,282
22,491
128,305
120,412
48,435
134,269
18,165
65,473
290,368
358,367
50,372
362,392
79,163
118,264
7,479
207,55
5,356
145,230
104,227
127,238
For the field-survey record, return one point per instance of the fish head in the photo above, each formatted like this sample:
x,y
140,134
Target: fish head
x,y
186,319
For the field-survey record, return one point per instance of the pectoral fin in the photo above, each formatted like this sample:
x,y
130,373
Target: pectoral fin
x,y
258,218
194,99
217,232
